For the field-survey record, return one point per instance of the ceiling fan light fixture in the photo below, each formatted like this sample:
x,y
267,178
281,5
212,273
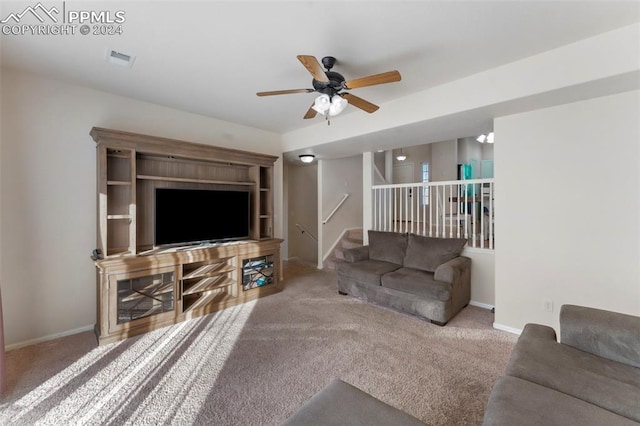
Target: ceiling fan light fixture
x,y
306,158
338,104
322,104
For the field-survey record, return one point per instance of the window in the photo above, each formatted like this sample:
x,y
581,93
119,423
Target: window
x,y
425,179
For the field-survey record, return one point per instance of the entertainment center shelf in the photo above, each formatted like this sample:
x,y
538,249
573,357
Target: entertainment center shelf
x,y
175,179
142,286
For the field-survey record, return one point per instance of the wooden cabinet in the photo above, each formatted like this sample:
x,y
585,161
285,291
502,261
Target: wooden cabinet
x,y
139,298
142,287
131,166
137,294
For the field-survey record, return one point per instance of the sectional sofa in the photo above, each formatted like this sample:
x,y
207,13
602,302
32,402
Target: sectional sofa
x,y
590,377
418,275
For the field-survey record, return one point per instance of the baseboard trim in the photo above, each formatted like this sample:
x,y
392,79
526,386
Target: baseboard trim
x,y
507,328
481,305
43,339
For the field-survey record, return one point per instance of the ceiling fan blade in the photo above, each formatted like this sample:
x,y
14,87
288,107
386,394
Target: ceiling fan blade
x,y
360,103
310,113
385,77
313,66
284,92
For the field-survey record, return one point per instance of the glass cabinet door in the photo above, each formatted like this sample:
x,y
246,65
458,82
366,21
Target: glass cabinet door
x,y
257,272
140,295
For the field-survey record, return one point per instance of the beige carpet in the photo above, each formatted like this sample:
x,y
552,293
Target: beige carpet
x,y
256,364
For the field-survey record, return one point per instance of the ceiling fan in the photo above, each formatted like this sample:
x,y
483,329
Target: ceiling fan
x,y
331,85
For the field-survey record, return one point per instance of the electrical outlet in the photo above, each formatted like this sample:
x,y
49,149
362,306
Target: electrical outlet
x,y
547,305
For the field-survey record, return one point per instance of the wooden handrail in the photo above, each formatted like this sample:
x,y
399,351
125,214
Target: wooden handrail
x,y
344,198
306,232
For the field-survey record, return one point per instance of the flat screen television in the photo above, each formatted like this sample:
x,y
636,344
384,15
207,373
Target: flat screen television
x,y
190,216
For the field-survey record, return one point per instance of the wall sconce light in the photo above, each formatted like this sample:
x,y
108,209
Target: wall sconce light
x,y
306,158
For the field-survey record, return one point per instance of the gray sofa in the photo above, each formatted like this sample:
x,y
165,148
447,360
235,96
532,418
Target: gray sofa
x,y
414,274
340,403
592,377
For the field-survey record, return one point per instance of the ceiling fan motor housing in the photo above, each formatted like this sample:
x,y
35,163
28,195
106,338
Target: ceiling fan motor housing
x,y
335,84
328,62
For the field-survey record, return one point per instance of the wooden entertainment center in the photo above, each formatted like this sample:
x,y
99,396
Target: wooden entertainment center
x,y
142,287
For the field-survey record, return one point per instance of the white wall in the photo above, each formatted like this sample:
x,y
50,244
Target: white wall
x,y
444,161
302,209
568,209
339,176
487,151
416,155
482,276
48,192
469,149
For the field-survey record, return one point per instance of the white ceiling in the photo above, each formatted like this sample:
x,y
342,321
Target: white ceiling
x,y
211,58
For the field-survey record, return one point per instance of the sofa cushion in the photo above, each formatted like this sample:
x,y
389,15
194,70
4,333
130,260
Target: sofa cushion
x,y
339,403
387,246
356,254
538,358
420,283
515,401
426,253
366,271
611,335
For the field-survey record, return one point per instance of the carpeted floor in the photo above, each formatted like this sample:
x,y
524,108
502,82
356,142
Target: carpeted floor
x,y
256,364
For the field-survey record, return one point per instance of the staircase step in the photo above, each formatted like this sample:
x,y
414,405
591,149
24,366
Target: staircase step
x,y
330,263
351,239
355,234
348,243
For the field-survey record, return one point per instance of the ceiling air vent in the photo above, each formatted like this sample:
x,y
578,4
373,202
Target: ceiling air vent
x,y
119,58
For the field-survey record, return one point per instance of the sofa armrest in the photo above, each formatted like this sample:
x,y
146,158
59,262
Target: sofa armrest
x,y
356,254
538,331
449,271
606,334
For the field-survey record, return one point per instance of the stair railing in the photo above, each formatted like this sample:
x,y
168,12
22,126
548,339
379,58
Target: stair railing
x,y
453,209
306,232
344,198
379,175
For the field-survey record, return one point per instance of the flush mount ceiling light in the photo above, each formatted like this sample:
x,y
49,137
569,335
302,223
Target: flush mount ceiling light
x,y
119,58
306,158
485,138
401,156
